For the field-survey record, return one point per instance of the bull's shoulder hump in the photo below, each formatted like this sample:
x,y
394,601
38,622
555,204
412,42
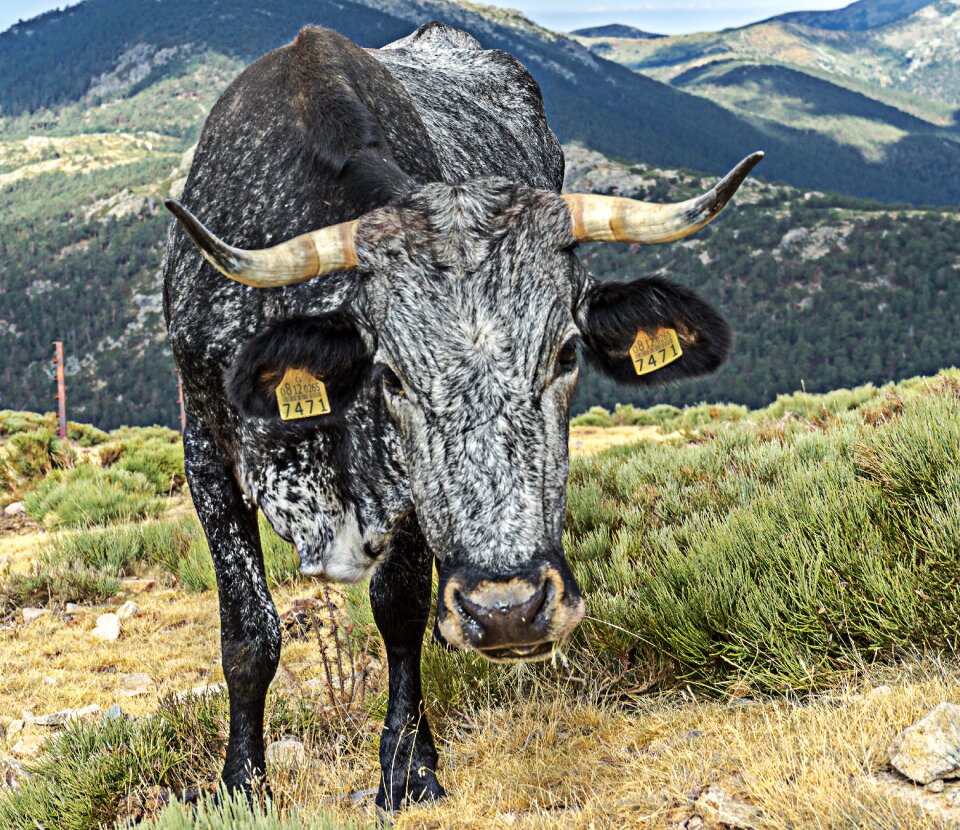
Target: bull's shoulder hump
x,y
436,36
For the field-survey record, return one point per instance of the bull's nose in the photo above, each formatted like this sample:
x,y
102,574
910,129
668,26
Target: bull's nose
x,y
521,618
504,615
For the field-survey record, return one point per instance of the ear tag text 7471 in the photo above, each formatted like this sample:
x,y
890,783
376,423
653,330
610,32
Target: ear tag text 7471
x,y
651,352
301,395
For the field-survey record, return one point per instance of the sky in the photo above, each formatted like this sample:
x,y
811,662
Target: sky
x,y
662,16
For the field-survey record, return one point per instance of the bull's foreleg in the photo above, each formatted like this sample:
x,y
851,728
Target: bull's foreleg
x,y
400,598
249,626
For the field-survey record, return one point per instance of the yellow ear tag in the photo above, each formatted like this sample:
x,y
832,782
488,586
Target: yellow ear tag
x,y
651,352
301,395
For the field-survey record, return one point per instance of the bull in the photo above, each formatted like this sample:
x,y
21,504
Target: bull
x,y
387,372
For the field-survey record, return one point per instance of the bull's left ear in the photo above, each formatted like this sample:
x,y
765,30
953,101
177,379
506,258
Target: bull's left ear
x,y
651,331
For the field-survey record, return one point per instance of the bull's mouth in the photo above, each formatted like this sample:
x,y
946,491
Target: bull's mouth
x,y
519,654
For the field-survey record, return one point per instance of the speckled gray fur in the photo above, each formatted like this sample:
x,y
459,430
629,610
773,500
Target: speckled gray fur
x,y
481,467
481,115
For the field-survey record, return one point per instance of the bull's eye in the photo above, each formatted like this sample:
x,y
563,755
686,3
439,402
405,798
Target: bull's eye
x,y
567,358
391,382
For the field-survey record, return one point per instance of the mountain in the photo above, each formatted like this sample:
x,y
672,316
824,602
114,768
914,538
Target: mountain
x,y
102,48
915,50
102,103
880,81
615,30
857,17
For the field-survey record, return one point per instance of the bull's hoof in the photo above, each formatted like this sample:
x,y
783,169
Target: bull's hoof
x,y
421,787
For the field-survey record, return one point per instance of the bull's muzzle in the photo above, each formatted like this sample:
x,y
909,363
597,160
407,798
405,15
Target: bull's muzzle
x,y
514,618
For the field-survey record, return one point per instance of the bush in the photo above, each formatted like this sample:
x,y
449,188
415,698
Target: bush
x,y
86,566
28,457
771,557
235,813
86,496
82,776
13,423
156,452
596,416
160,463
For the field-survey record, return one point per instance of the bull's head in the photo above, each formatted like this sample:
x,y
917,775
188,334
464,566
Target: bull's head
x,y
470,309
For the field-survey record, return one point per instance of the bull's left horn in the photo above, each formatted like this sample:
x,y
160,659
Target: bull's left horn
x,y
313,254
615,219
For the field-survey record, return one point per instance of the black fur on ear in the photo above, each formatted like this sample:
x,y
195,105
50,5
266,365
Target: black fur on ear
x,y
329,347
612,314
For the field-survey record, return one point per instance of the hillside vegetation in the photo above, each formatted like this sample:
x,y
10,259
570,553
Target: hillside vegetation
x,y
804,552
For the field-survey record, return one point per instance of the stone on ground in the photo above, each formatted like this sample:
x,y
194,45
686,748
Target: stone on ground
x,y
128,610
930,748
136,684
287,753
717,805
61,718
107,628
14,509
31,614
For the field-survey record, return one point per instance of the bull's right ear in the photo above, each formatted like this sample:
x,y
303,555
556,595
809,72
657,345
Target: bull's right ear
x,y
306,369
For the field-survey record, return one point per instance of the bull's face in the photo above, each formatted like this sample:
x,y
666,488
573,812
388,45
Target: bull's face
x,y
468,318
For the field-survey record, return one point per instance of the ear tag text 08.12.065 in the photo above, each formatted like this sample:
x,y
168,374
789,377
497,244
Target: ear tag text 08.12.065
x,y
301,395
651,352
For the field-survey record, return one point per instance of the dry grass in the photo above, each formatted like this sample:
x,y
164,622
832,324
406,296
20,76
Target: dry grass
x,y
554,759
555,762
590,440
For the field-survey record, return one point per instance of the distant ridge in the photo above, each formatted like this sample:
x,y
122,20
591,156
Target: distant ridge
x,y
857,17
616,30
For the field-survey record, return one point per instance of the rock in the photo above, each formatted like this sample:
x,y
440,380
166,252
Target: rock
x,y
942,806
136,585
107,628
10,774
286,753
936,786
128,610
29,746
15,509
930,748
142,805
31,614
55,719
717,805
200,691
14,727
72,608
113,713
136,684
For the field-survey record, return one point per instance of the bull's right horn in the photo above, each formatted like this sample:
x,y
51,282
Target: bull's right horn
x,y
302,258
615,219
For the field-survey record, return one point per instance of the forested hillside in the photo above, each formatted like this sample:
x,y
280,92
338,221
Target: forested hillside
x,y
822,290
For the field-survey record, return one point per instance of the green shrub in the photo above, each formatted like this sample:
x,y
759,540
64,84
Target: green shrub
x,y
156,452
83,774
86,566
196,572
596,416
31,455
160,463
235,813
13,423
773,559
86,496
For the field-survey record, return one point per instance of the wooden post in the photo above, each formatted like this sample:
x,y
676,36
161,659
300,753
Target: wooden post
x,y
61,395
183,414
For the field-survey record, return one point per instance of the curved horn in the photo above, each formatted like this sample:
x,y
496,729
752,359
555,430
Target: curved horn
x,y
615,219
314,254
